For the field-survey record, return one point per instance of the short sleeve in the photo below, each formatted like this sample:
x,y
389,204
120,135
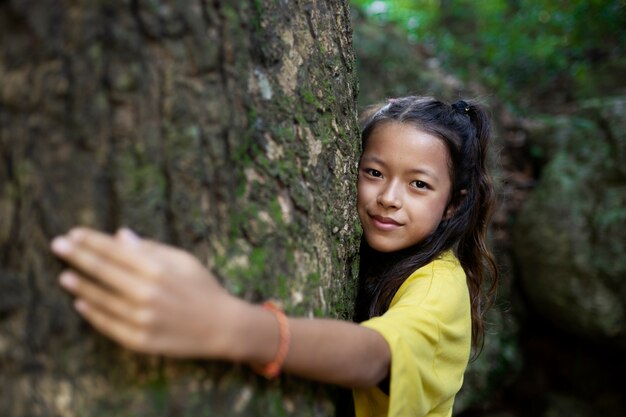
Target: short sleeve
x,y
412,335
428,330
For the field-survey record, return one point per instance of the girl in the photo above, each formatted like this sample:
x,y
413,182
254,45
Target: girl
x,y
424,201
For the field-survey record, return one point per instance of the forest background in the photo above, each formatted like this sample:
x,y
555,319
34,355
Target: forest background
x,y
229,129
553,74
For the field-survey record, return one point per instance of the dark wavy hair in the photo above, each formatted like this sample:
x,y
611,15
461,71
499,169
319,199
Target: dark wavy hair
x,y
464,128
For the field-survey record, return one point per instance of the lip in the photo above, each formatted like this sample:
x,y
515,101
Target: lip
x,y
385,223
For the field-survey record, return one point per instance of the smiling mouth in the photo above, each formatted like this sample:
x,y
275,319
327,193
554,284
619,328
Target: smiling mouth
x,y
385,223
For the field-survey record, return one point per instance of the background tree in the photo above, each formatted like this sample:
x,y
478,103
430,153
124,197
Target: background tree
x,y
227,128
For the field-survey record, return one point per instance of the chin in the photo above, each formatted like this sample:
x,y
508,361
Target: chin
x,y
385,247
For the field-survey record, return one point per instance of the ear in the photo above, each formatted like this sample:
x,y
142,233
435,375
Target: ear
x,y
454,204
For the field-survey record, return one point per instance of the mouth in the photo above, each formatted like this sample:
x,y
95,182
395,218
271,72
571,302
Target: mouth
x,y
384,223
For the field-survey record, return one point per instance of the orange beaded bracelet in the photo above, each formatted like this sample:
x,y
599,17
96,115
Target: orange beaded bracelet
x,y
272,369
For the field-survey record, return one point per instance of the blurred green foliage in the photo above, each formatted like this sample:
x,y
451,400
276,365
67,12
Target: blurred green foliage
x,y
518,46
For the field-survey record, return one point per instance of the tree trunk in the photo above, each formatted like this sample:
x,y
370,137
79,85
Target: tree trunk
x,y
226,128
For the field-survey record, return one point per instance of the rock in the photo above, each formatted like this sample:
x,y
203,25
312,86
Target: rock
x,y
570,237
562,406
500,360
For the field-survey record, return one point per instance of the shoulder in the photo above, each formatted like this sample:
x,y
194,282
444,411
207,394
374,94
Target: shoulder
x,y
437,284
434,299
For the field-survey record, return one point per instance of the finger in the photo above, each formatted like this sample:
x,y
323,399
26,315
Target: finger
x,y
102,269
150,246
126,235
101,297
128,252
147,248
115,329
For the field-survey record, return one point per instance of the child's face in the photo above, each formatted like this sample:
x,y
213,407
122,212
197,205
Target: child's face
x,y
404,186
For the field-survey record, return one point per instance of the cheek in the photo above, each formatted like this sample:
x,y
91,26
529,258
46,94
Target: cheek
x,y
360,203
361,200
428,214
361,192
438,212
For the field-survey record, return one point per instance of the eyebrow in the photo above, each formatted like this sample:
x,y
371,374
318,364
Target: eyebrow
x,y
423,171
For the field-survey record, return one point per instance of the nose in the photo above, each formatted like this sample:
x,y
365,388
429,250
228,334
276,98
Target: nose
x,y
390,196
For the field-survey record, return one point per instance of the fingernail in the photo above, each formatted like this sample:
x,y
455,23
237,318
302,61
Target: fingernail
x,y
61,245
128,235
76,234
68,279
80,305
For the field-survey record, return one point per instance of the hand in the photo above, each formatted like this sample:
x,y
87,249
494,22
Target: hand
x,y
149,297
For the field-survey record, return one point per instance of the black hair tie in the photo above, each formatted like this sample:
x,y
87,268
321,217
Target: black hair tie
x,y
461,107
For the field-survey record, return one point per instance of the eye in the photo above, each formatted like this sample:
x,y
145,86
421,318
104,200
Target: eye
x,y
419,184
373,172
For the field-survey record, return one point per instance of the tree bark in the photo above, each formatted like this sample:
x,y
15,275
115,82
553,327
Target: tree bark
x,y
226,128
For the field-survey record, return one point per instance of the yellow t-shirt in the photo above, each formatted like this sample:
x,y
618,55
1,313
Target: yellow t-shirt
x,y
428,329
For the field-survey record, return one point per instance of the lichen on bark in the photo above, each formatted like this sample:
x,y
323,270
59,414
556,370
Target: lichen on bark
x,y
226,128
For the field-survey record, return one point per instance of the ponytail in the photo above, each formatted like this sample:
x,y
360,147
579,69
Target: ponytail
x,y
477,260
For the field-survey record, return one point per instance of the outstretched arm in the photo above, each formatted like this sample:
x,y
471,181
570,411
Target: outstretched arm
x,y
157,299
